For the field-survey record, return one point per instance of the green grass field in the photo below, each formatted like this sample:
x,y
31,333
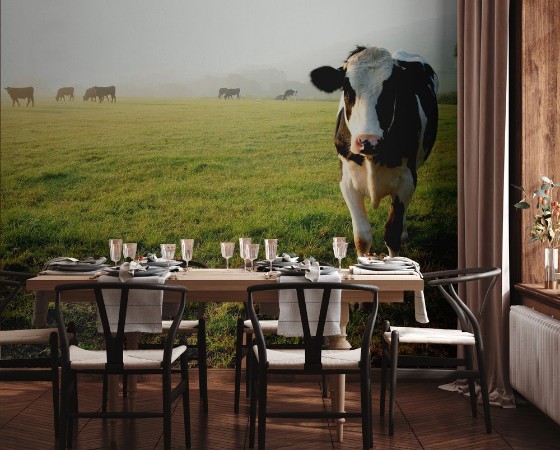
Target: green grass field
x,y
74,175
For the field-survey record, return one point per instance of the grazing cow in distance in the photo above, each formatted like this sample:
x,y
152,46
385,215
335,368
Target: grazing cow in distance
x,y
90,94
63,92
290,93
222,92
385,129
279,97
231,92
23,93
102,92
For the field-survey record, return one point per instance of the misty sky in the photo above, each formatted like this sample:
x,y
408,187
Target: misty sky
x,y
136,42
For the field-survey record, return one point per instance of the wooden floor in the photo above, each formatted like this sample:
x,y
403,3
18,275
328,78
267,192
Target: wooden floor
x,y
426,418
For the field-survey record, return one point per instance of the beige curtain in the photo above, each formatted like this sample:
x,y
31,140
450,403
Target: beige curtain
x,y
482,171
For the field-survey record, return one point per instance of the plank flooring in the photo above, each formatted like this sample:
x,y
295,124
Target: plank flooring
x,y
426,418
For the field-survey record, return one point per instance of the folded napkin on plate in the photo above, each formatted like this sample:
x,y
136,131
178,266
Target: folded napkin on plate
x,y
144,308
287,258
312,270
127,269
289,321
399,266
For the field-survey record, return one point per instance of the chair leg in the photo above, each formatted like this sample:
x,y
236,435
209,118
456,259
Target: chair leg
x,y
166,392
238,358
365,400
469,364
105,390
125,385
64,404
186,400
324,385
202,369
249,360
253,410
262,408
72,405
484,386
394,364
384,360
53,343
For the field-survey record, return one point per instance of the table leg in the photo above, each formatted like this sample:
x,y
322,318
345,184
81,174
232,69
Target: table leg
x,y
338,382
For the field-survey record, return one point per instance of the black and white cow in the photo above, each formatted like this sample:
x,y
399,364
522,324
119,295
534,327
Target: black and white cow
x,y
386,128
290,94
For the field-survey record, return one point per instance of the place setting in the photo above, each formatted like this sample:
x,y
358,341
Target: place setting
x,y
69,265
385,265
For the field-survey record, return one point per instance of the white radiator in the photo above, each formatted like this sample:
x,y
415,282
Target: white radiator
x,y
534,358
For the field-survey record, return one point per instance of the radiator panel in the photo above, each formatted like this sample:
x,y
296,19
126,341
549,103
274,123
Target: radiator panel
x,y
535,358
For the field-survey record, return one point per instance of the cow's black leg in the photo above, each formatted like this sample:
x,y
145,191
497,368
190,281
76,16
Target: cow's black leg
x,y
394,226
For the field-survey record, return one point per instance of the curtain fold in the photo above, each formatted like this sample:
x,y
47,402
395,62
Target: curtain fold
x,y
483,27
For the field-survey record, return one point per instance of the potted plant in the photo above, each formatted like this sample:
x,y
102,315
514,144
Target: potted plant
x,y
546,225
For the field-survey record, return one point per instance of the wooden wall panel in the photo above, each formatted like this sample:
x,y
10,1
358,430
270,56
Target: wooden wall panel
x,y
539,146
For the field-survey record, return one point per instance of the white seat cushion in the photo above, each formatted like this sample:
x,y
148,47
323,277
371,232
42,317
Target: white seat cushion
x,y
268,326
410,335
132,359
185,326
295,358
26,337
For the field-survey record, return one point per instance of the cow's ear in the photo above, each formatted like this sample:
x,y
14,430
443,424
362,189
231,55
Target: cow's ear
x,y
327,79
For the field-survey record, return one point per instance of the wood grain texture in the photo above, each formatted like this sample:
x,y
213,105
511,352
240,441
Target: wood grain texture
x,y
425,418
539,147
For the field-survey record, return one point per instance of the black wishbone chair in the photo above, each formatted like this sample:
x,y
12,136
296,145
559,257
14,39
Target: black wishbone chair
x,y
312,360
187,328
468,336
114,360
28,369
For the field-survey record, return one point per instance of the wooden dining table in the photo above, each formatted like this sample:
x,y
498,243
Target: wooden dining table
x,y
230,285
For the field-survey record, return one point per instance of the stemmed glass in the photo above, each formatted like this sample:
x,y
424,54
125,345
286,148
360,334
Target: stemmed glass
x,y
187,250
115,249
227,251
270,247
168,252
252,253
129,250
340,248
242,244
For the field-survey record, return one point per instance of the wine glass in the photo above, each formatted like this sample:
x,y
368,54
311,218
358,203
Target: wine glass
x,y
242,244
340,248
252,253
129,250
337,239
227,251
115,249
187,250
168,252
270,247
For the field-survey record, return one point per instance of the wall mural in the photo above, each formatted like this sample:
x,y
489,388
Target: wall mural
x,y
212,121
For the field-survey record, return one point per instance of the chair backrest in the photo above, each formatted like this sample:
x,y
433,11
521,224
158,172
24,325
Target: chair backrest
x,y
313,343
114,341
448,283
10,285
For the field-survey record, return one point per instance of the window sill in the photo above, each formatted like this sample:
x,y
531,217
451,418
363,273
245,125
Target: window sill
x,y
543,300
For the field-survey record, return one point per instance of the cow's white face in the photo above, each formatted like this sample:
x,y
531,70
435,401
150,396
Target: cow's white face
x,y
365,72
